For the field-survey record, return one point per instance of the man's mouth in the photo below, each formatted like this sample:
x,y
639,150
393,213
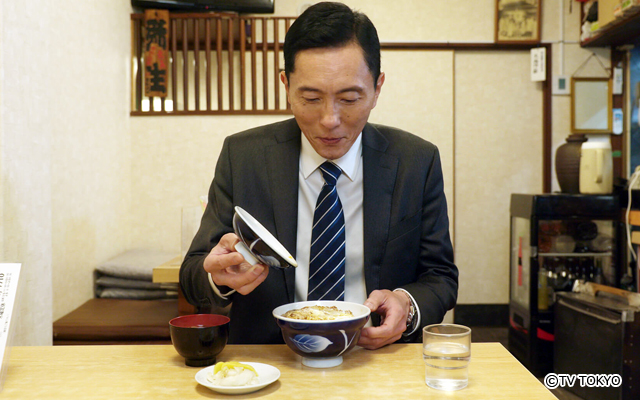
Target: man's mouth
x,y
330,140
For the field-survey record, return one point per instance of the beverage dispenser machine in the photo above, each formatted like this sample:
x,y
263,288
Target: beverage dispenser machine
x,y
556,239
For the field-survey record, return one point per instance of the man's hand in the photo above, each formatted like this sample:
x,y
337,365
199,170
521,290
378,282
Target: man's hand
x,y
393,308
228,268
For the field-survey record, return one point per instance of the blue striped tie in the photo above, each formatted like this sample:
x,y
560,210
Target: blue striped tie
x,y
327,255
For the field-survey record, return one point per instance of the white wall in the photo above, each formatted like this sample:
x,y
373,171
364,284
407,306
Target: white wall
x,y
65,150
91,147
498,151
26,161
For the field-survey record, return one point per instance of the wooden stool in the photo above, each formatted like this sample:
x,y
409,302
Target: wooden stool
x,y
116,321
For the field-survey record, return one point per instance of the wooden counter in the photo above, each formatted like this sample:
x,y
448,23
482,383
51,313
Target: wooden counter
x,y
158,372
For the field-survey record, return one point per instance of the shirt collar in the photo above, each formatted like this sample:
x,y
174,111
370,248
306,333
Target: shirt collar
x,y
349,163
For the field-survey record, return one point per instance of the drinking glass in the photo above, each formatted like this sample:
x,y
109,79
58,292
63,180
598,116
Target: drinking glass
x,y
446,350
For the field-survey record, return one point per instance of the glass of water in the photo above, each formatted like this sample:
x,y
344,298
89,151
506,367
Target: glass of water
x,y
446,350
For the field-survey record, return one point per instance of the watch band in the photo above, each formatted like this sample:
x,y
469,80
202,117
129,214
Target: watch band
x,y
412,319
412,316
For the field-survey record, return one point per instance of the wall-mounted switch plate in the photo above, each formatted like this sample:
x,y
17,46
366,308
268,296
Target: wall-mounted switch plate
x,y
617,81
561,85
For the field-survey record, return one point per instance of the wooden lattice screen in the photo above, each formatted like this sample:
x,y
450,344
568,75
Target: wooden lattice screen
x,y
219,64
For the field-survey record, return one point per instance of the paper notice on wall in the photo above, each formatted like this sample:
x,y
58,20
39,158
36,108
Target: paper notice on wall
x,y
9,274
538,64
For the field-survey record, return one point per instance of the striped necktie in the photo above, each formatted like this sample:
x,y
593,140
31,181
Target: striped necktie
x,y
327,255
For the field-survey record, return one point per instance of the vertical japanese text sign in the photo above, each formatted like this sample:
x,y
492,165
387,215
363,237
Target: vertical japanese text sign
x,y
9,274
156,42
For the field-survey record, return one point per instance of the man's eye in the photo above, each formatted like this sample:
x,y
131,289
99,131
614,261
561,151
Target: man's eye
x,y
349,101
311,99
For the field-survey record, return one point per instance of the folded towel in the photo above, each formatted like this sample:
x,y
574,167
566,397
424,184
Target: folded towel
x,y
135,264
136,294
129,276
110,281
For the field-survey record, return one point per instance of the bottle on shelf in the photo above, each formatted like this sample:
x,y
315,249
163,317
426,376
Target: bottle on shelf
x,y
573,268
561,274
543,293
598,274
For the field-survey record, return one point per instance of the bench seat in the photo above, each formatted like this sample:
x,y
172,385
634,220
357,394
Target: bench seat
x,y
116,321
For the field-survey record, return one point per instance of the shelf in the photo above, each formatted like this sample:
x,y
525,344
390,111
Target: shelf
x,y
608,254
625,30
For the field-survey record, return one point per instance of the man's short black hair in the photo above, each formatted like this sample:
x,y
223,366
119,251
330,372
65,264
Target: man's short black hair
x,y
330,24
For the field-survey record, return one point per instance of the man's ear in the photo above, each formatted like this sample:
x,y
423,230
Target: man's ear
x,y
379,84
285,82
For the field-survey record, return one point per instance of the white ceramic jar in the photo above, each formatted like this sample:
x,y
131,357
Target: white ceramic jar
x,y
596,166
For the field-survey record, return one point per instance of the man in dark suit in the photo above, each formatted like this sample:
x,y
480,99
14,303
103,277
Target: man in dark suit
x,y
399,258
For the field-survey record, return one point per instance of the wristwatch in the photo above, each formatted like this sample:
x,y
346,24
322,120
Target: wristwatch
x,y
411,318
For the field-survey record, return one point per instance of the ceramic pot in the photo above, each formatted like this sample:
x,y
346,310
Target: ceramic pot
x,y
568,164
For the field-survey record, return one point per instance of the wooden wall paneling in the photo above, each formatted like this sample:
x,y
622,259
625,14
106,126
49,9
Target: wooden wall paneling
x,y
174,63
196,59
137,53
219,60
254,62
185,66
192,35
276,63
287,24
243,49
207,52
231,63
265,66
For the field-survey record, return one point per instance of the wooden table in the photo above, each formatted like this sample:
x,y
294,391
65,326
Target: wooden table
x,y
158,372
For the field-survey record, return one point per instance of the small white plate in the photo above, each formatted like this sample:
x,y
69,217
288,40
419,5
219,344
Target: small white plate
x,y
267,374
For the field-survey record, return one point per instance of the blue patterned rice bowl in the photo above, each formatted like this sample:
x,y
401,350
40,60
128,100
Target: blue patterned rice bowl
x,y
321,344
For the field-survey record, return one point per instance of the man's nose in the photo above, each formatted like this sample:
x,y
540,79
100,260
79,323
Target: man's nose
x,y
330,115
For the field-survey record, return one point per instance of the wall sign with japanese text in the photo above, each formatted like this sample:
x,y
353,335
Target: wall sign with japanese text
x,y
9,274
156,42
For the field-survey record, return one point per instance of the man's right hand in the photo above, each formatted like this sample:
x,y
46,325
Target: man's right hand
x,y
229,268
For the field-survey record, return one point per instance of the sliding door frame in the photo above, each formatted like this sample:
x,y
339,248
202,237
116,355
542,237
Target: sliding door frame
x,y
546,87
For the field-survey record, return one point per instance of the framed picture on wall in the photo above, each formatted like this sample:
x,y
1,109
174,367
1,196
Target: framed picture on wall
x,y
517,21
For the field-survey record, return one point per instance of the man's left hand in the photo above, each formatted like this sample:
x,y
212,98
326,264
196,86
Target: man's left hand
x,y
393,308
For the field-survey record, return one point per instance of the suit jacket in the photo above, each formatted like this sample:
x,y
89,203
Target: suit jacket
x,y
406,228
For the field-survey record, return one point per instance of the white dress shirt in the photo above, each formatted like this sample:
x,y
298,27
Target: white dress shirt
x,y
349,186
